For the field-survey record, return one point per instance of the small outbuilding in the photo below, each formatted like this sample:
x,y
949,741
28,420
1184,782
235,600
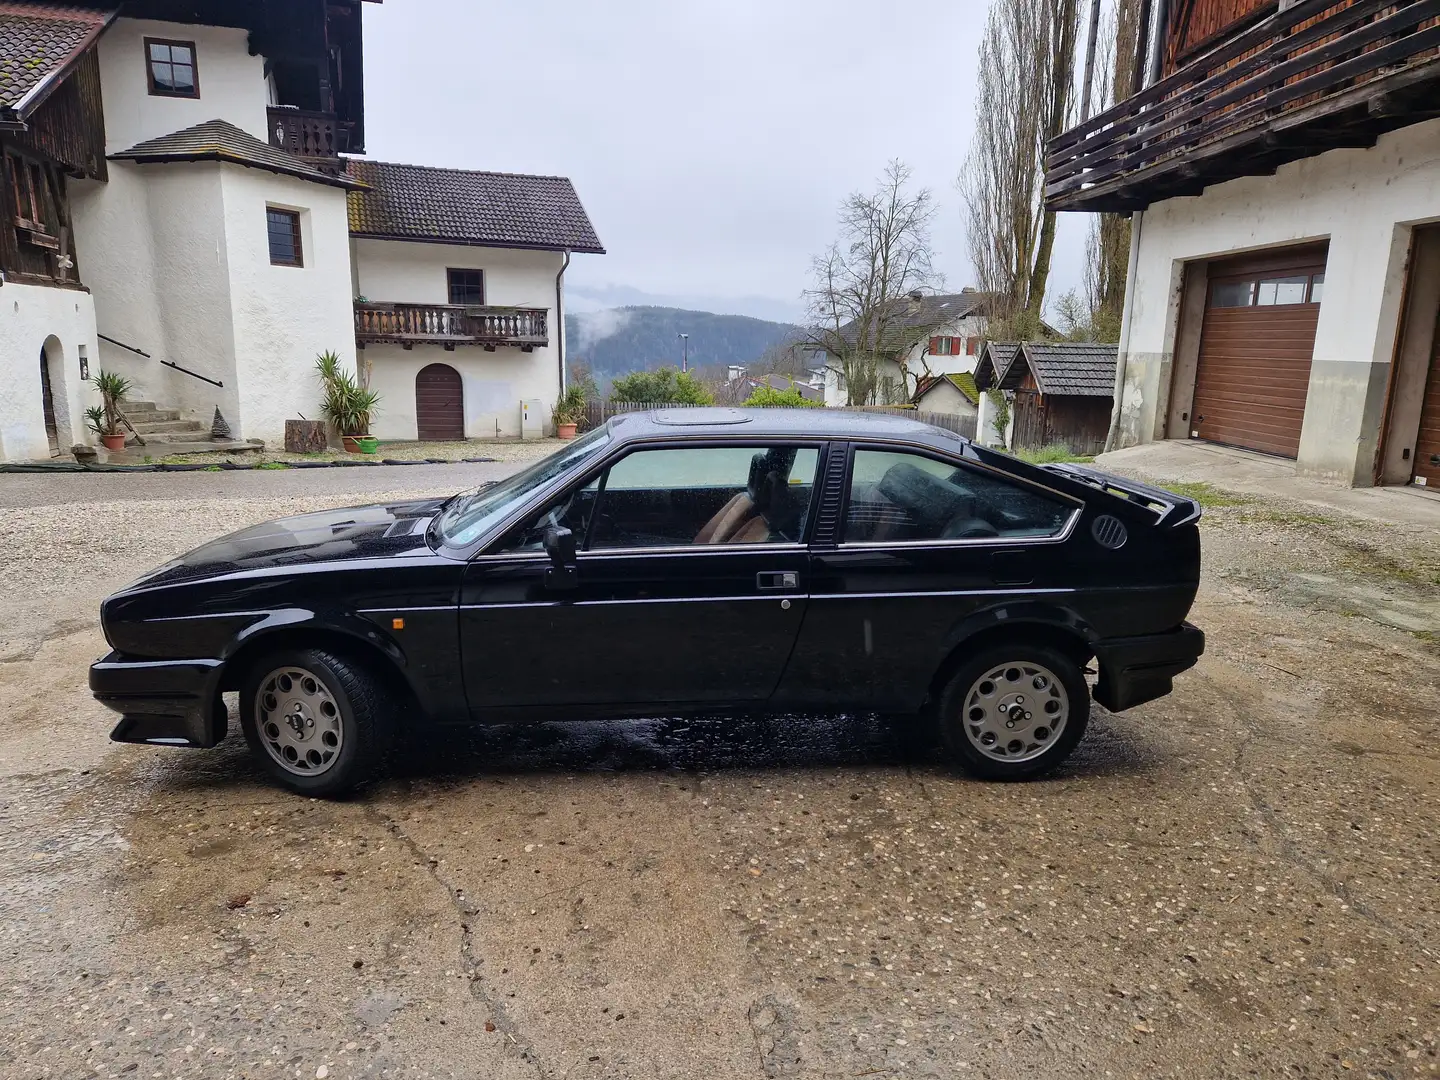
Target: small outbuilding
x,y
1061,391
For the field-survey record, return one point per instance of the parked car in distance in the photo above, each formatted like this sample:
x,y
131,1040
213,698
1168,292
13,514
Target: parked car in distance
x,y
677,561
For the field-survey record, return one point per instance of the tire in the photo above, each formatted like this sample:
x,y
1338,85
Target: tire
x,y
1022,681
339,732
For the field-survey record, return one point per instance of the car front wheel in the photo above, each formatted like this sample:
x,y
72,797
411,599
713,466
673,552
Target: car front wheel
x,y
1014,711
317,723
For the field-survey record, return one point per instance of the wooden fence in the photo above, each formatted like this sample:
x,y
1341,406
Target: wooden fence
x,y
597,412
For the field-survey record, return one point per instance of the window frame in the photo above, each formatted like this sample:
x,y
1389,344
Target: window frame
x,y
489,549
297,234
156,90
450,272
1077,505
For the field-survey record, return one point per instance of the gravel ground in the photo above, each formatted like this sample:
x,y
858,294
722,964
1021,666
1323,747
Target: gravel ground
x,y
507,450
1238,880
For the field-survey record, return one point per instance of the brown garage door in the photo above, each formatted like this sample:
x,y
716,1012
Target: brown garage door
x,y
1255,349
440,403
1427,443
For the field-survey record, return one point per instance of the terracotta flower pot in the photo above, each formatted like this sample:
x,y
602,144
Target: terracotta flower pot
x,y
565,431
113,443
351,443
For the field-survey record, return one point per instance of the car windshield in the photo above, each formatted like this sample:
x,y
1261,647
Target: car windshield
x,y
470,516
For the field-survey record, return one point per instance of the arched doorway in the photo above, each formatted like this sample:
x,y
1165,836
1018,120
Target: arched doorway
x,y
51,363
440,404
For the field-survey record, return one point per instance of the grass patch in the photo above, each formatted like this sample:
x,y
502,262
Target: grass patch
x,y
1053,455
1302,518
272,465
1208,496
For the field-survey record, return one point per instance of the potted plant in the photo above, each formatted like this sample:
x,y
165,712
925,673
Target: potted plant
x,y
104,419
569,412
346,404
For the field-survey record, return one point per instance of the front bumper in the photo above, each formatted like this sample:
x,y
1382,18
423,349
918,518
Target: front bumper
x,y
1140,669
161,702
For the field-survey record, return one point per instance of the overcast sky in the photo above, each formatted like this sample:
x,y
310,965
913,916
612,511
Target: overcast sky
x,y
710,140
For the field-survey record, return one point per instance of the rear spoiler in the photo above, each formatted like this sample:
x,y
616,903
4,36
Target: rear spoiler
x,y
1169,508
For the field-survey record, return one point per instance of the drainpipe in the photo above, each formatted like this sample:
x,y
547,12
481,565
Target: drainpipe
x,y
1157,48
560,317
1122,355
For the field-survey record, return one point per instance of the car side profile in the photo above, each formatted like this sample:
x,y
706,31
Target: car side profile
x,y
676,561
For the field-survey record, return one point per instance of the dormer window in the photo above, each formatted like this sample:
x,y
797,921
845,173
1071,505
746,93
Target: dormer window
x,y
172,68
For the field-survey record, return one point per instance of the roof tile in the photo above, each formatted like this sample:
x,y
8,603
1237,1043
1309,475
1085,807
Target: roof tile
x,y
219,140
414,202
38,39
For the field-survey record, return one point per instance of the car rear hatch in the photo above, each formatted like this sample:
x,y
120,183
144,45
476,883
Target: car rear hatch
x,y
1170,509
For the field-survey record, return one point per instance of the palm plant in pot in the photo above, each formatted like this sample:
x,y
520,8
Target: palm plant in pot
x,y
345,403
105,419
569,412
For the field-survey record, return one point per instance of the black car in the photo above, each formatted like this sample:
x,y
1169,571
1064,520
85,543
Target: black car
x,y
677,561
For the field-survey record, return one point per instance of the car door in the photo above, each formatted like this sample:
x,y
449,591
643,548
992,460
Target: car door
x,y
924,541
690,584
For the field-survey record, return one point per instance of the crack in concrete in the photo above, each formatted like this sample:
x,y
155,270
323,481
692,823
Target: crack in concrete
x,y
469,963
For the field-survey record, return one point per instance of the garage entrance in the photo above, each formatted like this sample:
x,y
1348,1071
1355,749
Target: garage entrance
x,y
1256,343
440,404
1427,443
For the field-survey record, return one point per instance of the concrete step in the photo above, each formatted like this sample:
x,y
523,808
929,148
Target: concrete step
x,y
151,415
136,406
135,454
189,427
165,438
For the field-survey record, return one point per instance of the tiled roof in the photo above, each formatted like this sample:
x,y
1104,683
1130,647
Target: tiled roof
x,y
962,381
927,314
219,140
996,360
39,40
413,202
1072,368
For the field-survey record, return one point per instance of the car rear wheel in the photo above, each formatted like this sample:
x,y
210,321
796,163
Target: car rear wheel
x,y
316,722
1014,711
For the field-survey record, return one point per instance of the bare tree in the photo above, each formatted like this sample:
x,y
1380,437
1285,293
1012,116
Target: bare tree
x,y
860,304
1025,94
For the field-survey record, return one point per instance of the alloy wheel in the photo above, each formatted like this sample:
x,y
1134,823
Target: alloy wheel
x,y
1016,712
298,720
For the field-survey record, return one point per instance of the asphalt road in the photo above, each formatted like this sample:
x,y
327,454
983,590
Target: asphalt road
x,y
1239,880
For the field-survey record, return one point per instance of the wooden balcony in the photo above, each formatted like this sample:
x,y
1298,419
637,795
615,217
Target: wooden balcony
x,y
409,325
314,135
1320,75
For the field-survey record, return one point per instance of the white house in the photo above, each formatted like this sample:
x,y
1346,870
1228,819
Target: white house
x,y
1284,278
185,209
937,334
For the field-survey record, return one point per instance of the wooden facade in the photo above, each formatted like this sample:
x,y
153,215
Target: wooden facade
x,y
63,139
1078,423
1262,89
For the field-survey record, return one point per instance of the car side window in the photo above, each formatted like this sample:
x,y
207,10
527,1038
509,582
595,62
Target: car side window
x,y
572,512
705,495
902,496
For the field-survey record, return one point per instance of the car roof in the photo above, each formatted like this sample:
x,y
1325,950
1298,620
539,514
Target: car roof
x,y
709,422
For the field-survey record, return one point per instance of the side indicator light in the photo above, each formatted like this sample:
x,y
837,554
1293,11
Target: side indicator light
x,y
397,624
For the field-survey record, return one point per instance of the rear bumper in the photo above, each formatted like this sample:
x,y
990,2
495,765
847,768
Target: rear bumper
x,y
1140,669
161,702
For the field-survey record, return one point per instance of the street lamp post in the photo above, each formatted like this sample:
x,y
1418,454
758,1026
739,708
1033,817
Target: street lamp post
x,y
685,361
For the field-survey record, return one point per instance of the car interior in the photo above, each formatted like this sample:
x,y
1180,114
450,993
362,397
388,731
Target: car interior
x,y
922,499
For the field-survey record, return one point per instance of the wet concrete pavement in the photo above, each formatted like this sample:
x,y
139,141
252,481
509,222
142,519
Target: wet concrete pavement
x,y
1237,880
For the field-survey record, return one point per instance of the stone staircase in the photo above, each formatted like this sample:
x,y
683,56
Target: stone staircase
x,y
165,433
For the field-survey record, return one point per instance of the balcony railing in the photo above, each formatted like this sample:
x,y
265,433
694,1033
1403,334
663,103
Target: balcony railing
x,y
306,134
1319,75
450,325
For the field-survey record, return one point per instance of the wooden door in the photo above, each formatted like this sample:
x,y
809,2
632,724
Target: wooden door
x,y
1256,344
440,404
47,400
1427,442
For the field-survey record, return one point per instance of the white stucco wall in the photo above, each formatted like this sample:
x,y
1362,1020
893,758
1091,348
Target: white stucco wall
x,y
283,317
945,397
31,315
178,259
494,382
232,82
1365,203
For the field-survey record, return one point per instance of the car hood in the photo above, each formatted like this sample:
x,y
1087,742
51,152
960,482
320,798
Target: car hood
x,y
382,531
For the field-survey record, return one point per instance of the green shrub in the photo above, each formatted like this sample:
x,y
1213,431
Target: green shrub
x,y
791,398
663,386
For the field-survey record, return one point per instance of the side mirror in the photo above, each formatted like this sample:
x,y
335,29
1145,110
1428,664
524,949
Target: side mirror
x,y
563,571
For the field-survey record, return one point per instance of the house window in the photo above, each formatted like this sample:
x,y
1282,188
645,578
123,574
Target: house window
x,y
944,346
285,247
172,68
27,181
467,287
1268,291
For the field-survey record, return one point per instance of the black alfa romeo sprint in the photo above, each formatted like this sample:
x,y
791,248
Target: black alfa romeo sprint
x,y
681,561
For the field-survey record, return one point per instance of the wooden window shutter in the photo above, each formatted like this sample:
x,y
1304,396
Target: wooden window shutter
x,y
934,346
972,346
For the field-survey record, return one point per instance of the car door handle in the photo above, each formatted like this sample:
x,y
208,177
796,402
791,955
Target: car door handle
x,y
777,579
